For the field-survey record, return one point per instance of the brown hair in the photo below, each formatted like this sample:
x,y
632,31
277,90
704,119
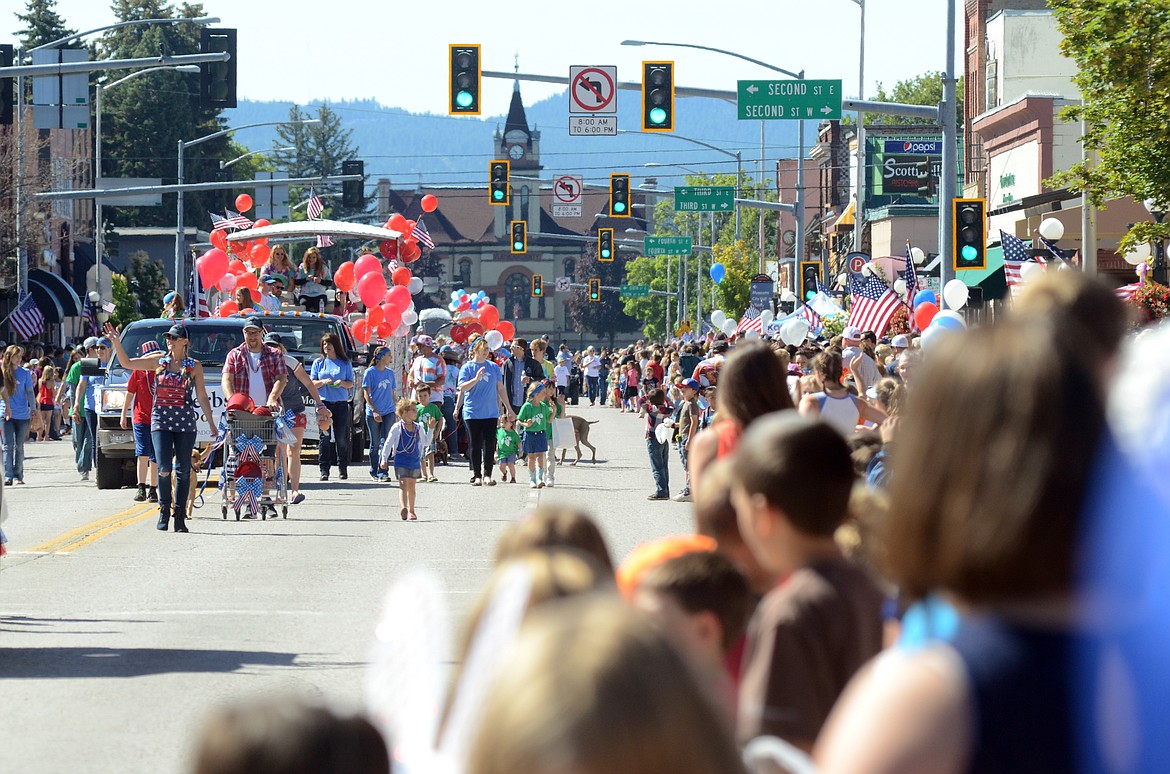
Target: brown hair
x,y
828,366
801,467
593,688
338,349
705,581
714,513
891,394
8,369
312,252
1000,433
752,383
1079,307
554,526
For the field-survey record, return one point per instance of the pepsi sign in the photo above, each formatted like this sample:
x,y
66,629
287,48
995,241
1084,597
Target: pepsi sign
x,y
923,147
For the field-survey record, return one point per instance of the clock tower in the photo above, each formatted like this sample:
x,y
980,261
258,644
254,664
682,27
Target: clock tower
x,y
517,142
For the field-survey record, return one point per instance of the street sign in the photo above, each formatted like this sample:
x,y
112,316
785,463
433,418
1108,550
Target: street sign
x,y
566,210
668,245
857,262
635,291
592,90
562,284
705,198
593,126
761,291
789,100
567,196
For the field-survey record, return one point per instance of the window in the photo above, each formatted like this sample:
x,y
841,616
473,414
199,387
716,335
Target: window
x,y
523,204
465,272
517,297
571,268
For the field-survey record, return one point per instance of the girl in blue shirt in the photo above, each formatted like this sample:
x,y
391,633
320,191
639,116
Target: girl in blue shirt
x,y
16,399
379,385
333,375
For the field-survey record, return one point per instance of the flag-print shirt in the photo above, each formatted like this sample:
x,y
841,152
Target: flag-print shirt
x,y
174,400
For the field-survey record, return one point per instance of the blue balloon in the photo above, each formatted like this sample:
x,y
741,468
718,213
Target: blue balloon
x,y
950,323
923,296
718,272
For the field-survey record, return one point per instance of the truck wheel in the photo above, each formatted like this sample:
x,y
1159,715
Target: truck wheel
x,y
109,471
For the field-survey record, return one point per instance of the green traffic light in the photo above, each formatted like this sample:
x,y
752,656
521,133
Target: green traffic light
x,y
619,206
605,253
497,195
464,99
518,245
657,116
970,253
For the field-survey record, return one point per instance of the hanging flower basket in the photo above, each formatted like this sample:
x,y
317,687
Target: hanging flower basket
x,y
1153,299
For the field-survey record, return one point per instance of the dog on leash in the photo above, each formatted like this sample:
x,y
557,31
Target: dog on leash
x,y
198,460
580,436
442,453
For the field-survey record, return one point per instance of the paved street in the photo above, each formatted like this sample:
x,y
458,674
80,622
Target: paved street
x,y
115,639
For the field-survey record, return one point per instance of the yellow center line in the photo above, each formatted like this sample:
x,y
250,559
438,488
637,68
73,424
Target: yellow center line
x,y
94,526
85,541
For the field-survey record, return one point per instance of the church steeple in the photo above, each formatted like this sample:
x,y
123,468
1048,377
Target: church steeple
x,y
520,143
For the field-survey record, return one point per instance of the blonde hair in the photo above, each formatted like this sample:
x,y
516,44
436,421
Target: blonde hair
x,y
312,252
8,368
403,405
554,526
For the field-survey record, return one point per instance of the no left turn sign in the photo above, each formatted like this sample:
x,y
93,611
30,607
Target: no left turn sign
x,y
567,189
592,89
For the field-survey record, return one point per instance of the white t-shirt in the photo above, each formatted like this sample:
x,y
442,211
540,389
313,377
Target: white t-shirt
x,y
592,365
867,369
562,372
269,303
256,389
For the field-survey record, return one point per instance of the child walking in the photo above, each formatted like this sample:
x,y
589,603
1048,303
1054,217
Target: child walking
x,y
45,400
405,442
556,409
430,416
507,447
657,409
534,418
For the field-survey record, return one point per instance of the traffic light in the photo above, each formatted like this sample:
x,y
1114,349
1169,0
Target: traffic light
x,y
658,96
499,191
464,79
595,289
605,244
970,227
537,286
217,80
810,278
353,191
619,195
7,93
520,238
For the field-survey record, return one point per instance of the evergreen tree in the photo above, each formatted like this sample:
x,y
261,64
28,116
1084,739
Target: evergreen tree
x,y
318,150
42,24
605,318
147,283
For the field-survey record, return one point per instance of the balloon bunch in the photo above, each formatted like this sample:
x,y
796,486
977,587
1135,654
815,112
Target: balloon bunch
x,y
934,324
254,251
475,315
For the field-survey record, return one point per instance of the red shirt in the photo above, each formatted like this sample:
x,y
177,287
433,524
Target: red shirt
x,y
141,386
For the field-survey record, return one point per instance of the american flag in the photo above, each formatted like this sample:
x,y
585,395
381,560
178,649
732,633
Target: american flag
x,y
1052,249
219,222
422,235
750,321
1125,292
1015,254
26,319
873,304
808,313
315,207
237,220
196,297
89,312
324,241
911,279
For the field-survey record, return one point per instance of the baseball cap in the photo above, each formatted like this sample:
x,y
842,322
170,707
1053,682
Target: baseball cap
x,y
148,347
90,343
720,345
273,338
851,332
253,322
692,383
266,278
169,297
449,352
901,341
177,332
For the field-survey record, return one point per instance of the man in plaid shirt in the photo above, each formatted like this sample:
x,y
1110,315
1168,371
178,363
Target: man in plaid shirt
x,y
254,368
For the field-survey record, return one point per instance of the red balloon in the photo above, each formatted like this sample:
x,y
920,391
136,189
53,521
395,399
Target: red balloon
x,y
212,266
408,230
243,202
399,297
396,222
411,253
361,332
473,328
345,277
458,334
385,330
237,267
256,259
430,203
391,316
261,253
366,264
371,287
401,276
489,316
924,313
228,308
507,330
375,316
388,248
219,239
262,223
248,280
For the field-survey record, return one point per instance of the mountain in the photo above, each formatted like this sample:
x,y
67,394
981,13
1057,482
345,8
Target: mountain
x,y
412,148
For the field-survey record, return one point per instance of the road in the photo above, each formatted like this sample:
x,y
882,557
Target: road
x,y
116,639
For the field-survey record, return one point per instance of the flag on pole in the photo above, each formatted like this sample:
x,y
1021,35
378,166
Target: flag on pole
x,y
1015,254
89,312
237,220
808,313
422,235
197,297
911,279
750,321
874,303
219,223
1055,251
1125,292
26,319
315,207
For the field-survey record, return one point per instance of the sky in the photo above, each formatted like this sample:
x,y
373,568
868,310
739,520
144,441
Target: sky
x,y
304,50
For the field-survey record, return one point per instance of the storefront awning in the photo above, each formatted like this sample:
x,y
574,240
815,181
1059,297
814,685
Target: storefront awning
x,y
66,298
845,221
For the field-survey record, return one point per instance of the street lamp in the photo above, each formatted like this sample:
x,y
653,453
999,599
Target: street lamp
x,y
1158,209
226,164
100,90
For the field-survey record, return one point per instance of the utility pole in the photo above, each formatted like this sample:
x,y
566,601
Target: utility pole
x,y
946,114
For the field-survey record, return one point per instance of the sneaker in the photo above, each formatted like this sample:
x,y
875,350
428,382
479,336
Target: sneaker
x,y
532,485
657,496
682,497
435,480
549,483
152,495
382,478
8,481
140,495
343,476
84,476
373,476
540,485
324,476
476,482
486,481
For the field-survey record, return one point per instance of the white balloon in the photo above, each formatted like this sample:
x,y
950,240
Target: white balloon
x,y
956,293
662,433
766,317
900,287
409,317
415,285
949,314
1030,270
403,329
752,334
799,329
1051,229
933,336
842,278
917,255
494,339
787,295
730,327
717,319
1140,254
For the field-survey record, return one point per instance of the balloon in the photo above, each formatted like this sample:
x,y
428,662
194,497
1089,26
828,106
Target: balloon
x,y
1030,270
396,222
240,247
391,316
243,202
473,329
366,264
237,267
401,276
248,280
212,265
507,330
751,334
794,331
955,293
718,318
494,339
408,229
371,287
344,277
403,329
925,297
410,252
766,318
718,272
933,335
388,248
261,223
924,314
489,316
415,285
385,330
228,308
410,317
398,296
361,332
950,323
219,239
430,203
261,253
730,327
227,283
375,316
1139,255
949,314
458,334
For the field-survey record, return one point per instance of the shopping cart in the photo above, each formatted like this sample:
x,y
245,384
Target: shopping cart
x,y
254,477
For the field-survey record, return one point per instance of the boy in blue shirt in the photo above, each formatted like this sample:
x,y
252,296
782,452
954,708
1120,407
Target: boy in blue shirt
x,y
379,385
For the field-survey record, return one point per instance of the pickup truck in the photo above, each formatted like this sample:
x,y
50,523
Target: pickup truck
x,y
211,340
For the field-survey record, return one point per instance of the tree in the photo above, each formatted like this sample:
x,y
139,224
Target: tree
x,y
318,150
605,318
649,270
125,302
925,89
733,295
42,24
147,283
1124,79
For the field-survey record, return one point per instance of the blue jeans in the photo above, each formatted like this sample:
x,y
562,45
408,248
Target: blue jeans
x,y
682,455
592,388
334,445
14,432
84,434
377,432
659,465
169,447
449,425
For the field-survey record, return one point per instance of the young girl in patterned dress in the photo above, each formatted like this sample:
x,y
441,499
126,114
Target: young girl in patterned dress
x,y
406,441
